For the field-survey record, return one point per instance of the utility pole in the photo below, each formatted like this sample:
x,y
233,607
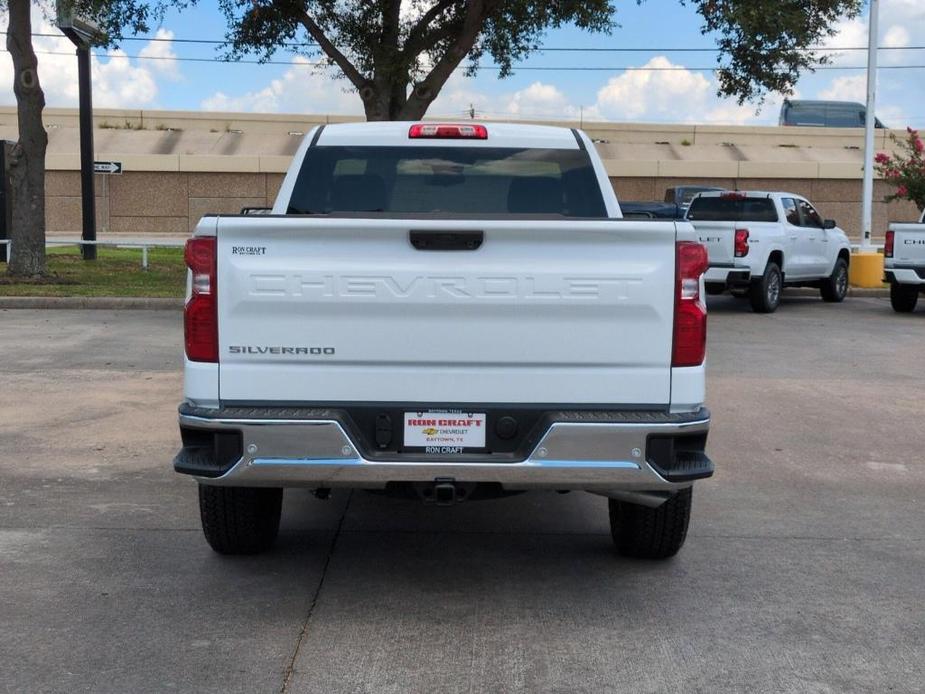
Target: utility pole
x,y
83,33
867,190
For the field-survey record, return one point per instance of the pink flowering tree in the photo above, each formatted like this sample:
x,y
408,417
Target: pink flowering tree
x,y
905,169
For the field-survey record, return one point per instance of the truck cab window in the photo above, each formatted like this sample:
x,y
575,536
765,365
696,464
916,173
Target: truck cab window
x,y
791,212
436,179
808,216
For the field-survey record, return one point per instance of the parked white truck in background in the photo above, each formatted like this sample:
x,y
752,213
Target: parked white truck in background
x,y
904,264
760,242
454,311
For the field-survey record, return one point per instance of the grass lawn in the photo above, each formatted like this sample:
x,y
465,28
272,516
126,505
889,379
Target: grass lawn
x,y
116,272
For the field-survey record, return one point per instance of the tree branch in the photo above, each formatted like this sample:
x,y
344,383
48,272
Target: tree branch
x,y
419,29
350,72
427,89
420,43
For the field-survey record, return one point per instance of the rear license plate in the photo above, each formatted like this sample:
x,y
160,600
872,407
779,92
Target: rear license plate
x,y
444,432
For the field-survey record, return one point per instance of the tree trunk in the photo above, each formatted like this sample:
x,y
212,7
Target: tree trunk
x,y
385,98
27,163
414,109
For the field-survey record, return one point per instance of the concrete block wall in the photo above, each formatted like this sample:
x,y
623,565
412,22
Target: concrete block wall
x,y
174,201
181,165
146,202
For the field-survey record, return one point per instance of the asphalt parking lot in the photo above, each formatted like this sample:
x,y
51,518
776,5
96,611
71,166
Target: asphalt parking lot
x,y
804,569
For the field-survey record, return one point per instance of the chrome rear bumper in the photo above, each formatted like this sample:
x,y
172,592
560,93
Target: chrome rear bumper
x,y
595,456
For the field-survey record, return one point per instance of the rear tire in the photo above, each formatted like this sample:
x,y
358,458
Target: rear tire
x,y
904,297
765,291
834,288
240,520
650,533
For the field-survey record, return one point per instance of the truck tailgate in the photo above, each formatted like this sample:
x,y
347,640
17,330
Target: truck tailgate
x,y
908,245
719,238
334,310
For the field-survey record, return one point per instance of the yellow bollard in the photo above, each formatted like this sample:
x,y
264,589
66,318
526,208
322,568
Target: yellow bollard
x,y
866,269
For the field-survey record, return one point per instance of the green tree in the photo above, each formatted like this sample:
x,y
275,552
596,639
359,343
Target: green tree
x,y
764,46
27,160
398,56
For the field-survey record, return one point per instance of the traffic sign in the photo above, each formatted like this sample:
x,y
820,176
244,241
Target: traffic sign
x,y
107,167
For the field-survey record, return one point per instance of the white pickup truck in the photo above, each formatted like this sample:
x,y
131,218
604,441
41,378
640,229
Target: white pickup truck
x,y
760,242
450,311
904,264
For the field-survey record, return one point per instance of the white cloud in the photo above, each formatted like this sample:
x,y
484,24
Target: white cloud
x,y
661,91
896,37
668,92
162,59
846,88
538,101
303,88
674,94
900,20
118,82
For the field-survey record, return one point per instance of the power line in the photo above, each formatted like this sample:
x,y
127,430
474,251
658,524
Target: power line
x,y
569,49
547,68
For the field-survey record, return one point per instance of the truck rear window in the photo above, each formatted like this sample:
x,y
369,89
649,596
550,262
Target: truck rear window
x,y
459,180
721,209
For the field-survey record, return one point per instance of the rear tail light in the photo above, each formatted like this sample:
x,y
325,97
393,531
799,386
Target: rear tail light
x,y
733,195
200,316
741,243
447,131
888,244
690,313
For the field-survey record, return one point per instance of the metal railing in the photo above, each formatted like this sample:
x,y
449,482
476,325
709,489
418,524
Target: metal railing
x,y
143,245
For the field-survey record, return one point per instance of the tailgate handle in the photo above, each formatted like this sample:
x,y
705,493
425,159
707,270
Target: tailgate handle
x,y
446,240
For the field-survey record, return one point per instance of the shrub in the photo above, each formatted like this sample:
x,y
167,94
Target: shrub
x,y
905,170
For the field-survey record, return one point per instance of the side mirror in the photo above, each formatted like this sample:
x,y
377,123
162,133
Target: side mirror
x,y
829,224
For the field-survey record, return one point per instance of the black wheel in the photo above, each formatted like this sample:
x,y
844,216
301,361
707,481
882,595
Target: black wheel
x,y
834,288
240,520
715,288
765,291
904,297
650,533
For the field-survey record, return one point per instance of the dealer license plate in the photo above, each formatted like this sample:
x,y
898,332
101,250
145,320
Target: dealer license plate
x,y
444,431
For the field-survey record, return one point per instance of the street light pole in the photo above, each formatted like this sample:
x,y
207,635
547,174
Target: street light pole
x,y
83,33
867,190
87,192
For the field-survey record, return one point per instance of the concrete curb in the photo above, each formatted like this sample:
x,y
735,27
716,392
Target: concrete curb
x,y
91,302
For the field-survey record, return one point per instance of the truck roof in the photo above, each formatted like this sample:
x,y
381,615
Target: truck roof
x,y
395,134
752,194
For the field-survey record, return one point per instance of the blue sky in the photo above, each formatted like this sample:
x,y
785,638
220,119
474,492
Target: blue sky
x,y
158,80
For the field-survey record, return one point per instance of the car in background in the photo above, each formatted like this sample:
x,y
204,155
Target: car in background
x,y
674,205
904,264
760,242
825,114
